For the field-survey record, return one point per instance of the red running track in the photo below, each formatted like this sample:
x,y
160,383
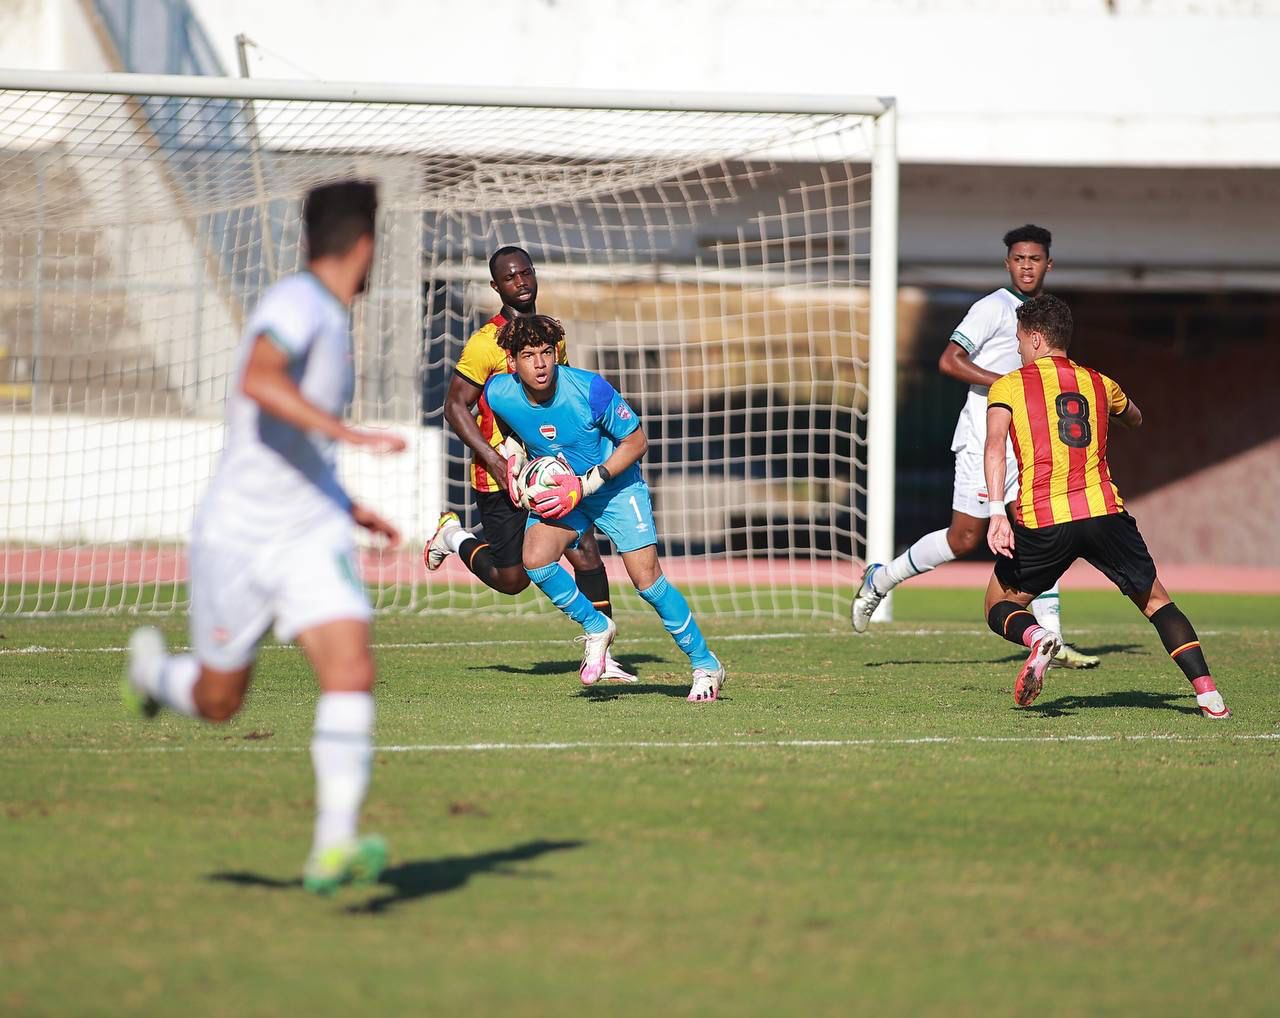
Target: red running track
x,y
103,565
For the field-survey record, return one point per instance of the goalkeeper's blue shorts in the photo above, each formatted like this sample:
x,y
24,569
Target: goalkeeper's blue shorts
x,y
624,515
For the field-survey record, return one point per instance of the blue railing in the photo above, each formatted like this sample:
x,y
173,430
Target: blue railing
x,y
159,37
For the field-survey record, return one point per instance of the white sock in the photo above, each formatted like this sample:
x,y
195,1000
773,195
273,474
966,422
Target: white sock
x,y
1048,611
173,683
341,753
455,538
927,553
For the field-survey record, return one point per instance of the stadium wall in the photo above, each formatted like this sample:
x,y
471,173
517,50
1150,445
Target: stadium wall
x,y
104,480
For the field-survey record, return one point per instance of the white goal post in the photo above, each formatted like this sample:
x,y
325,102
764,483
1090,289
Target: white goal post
x,y
729,262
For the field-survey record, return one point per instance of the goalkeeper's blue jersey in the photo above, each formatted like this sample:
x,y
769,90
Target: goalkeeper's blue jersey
x,y
584,421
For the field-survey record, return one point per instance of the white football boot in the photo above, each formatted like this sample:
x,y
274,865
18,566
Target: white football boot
x,y
866,601
437,549
595,651
707,683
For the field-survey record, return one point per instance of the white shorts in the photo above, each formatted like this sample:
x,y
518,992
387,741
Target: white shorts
x,y
969,496
238,591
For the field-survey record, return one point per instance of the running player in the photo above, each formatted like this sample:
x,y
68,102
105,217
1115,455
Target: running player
x,y
561,411
1058,414
272,538
495,558
983,347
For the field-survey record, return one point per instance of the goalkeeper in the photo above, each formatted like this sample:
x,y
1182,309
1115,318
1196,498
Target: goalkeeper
x,y
557,410
494,558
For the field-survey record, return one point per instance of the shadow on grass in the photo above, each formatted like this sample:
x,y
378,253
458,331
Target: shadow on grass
x,y
1013,658
413,880
561,667
1103,649
1066,706
605,692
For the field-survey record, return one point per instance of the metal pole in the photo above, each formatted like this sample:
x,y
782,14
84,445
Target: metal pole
x,y
324,91
882,410
255,155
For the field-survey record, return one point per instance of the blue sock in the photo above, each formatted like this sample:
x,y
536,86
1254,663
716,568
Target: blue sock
x,y
678,620
559,587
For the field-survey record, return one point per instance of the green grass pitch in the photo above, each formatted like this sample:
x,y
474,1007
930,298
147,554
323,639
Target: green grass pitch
x,y
861,826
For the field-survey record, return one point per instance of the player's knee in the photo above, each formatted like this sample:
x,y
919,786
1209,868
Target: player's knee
x,y
588,556
964,539
352,673
511,581
219,702
516,584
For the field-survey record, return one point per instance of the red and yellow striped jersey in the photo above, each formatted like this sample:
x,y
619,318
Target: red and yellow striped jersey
x,y
1061,413
481,359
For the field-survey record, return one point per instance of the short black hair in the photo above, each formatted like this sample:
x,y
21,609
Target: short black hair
x,y
529,331
1049,316
336,215
505,250
1030,232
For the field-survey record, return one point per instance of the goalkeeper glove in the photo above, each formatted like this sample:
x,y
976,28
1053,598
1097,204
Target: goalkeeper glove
x,y
514,455
568,491
595,479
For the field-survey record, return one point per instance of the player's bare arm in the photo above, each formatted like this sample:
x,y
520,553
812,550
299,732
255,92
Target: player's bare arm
x,y
1131,417
459,405
999,532
267,382
375,524
629,451
955,363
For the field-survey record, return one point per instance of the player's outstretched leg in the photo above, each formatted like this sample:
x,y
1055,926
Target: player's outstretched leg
x,y
1180,640
678,620
443,543
928,553
594,584
598,629
1048,612
342,754
154,678
1013,622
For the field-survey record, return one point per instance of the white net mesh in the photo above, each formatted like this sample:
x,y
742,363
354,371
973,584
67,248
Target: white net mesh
x,y
713,266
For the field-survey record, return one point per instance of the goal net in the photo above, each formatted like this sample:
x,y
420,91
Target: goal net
x,y
714,263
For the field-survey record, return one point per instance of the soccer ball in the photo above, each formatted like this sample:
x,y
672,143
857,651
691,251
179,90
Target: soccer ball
x,y
536,477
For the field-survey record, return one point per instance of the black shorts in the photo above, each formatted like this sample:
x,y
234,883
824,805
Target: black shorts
x,y
1111,544
503,527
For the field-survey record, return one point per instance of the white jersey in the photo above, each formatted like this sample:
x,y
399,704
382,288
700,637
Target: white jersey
x,y
273,481
989,335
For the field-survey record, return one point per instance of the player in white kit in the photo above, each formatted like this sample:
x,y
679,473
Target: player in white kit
x,y
982,348
272,539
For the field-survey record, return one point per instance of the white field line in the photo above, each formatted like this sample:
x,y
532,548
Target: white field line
x,y
547,642
560,747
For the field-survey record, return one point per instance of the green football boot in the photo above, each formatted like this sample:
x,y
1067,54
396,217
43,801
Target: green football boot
x,y
146,653
359,862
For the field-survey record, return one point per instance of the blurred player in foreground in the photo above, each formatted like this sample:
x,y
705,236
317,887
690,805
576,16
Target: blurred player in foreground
x,y
272,538
495,558
1059,414
982,348
561,411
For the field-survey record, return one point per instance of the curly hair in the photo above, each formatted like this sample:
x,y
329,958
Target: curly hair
x,y
530,331
1049,316
1033,234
